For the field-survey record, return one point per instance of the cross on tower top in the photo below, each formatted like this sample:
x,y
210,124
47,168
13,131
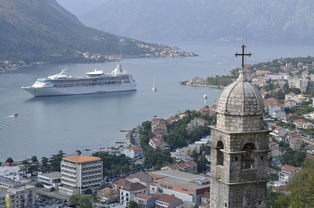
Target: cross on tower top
x,y
243,54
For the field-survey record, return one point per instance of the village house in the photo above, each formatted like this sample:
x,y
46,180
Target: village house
x,y
108,195
146,200
272,105
133,151
142,178
207,110
189,167
158,141
286,174
275,151
49,180
168,201
299,123
298,82
198,80
279,131
129,190
196,122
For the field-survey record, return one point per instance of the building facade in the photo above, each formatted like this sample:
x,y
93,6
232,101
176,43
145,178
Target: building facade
x,y
239,149
79,173
49,180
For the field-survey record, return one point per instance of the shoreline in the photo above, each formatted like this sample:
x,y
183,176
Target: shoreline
x,y
202,85
19,65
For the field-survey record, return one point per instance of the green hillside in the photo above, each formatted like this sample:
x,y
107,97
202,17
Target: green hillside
x,y
42,31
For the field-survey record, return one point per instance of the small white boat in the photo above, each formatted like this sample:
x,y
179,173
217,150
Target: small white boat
x,y
154,88
14,115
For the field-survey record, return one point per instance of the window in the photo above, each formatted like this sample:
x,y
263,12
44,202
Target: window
x,y
247,157
220,154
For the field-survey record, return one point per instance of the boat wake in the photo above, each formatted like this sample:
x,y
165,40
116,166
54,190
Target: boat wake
x,y
7,121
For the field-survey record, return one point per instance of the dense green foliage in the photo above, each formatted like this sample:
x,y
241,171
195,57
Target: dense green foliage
x,y
178,136
55,161
133,204
220,80
82,201
156,158
274,66
200,158
114,165
9,160
293,157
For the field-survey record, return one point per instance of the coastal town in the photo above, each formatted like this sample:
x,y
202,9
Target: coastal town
x,y
165,162
160,51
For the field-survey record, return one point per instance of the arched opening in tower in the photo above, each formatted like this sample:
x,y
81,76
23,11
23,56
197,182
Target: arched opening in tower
x,y
220,154
248,157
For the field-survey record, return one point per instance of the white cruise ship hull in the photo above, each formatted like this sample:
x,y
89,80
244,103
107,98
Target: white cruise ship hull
x,y
58,91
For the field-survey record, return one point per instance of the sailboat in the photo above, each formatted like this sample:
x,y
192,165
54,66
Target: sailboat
x,y
154,88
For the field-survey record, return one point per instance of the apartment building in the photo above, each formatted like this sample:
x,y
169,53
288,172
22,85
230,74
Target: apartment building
x,y
79,173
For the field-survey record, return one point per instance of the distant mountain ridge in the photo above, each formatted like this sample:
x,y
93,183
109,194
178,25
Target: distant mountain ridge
x,y
43,31
265,20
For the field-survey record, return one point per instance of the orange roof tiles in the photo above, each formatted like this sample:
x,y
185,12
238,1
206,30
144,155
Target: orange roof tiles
x,y
289,169
81,158
167,198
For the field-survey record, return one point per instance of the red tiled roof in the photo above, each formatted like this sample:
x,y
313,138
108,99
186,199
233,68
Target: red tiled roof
x,y
133,186
299,120
309,157
167,198
121,183
289,169
272,102
136,148
310,147
280,188
144,196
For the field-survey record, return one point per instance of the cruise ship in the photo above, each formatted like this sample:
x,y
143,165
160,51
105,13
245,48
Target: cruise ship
x,y
91,83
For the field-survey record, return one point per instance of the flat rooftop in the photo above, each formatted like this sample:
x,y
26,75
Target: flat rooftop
x,y
52,175
180,178
81,158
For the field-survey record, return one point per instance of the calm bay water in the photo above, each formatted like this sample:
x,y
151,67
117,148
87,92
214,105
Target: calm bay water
x,y
46,125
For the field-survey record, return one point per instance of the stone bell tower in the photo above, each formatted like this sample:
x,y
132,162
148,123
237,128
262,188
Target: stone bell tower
x,y
240,147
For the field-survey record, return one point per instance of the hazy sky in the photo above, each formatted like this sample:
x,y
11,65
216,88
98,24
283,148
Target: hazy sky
x,y
79,7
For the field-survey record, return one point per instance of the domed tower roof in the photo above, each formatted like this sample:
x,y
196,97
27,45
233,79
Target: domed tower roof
x,y
240,98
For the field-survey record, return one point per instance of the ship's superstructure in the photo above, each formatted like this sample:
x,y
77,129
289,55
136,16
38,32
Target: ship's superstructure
x,y
93,82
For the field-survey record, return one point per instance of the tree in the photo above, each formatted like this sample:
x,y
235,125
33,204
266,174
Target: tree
x,y
293,158
9,160
55,161
133,204
202,164
78,152
86,201
74,199
34,159
44,164
301,189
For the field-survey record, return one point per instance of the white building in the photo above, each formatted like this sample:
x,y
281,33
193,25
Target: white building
x,y
128,192
185,186
79,173
21,194
286,174
49,180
